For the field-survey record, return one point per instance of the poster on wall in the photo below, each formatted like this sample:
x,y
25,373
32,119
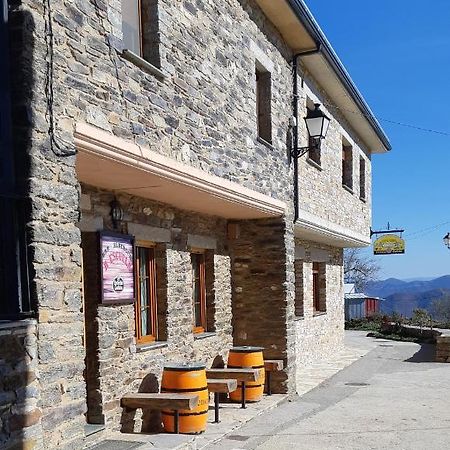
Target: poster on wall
x,y
117,268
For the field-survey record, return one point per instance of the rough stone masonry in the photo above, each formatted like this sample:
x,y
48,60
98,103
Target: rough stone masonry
x,y
199,108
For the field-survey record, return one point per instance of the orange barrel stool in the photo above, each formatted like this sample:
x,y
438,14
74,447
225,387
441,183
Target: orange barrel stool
x,y
247,357
186,379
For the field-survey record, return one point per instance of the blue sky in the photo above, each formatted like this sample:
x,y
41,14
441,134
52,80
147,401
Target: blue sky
x,y
398,54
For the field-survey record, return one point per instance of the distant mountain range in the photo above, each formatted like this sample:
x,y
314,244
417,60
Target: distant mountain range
x,y
405,296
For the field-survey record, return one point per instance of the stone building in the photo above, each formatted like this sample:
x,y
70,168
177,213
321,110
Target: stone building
x,y
167,126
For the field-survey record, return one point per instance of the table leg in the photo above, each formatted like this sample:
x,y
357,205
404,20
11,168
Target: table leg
x,y
216,407
177,421
243,394
269,386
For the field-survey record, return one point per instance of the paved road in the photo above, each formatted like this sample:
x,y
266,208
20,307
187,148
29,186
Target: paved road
x,y
395,397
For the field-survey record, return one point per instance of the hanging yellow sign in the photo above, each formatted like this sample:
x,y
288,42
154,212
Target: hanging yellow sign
x,y
389,244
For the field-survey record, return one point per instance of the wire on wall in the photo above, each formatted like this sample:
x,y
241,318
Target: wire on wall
x,y
63,149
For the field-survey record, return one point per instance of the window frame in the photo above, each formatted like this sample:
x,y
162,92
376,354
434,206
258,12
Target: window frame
x,y
153,303
263,98
347,166
362,179
140,28
316,286
202,328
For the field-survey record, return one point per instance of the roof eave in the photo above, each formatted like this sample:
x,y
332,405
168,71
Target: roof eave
x,y
307,20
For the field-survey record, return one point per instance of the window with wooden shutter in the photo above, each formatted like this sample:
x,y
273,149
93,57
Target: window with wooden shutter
x,y
199,292
146,303
319,287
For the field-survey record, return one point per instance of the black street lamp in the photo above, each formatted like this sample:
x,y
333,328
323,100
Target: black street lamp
x,y
447,240
317,124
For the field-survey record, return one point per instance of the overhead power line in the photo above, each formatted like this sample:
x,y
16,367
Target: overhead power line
x,y
402,124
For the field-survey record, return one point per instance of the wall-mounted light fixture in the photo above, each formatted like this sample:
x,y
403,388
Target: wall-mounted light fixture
x,y
116,213
447,240
317,123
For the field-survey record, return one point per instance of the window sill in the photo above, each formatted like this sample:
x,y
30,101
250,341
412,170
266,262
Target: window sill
x,y
143,64
348,188
319,313
264,142
299,318
314,164
204,335
13,324
363,199
141,348
92,428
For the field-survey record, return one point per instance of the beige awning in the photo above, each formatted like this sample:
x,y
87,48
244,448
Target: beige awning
x,y
112,163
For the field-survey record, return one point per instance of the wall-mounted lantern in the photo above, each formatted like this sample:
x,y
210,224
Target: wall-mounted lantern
x,y
317,123
116,213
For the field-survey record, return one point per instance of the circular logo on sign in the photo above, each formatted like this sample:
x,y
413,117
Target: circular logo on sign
x,y
117,284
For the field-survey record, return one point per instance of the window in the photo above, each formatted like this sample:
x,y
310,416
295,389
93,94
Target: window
x,y
263,104
319,291
362,178
199,292
347,166
146,304
132,26
141,32
298,269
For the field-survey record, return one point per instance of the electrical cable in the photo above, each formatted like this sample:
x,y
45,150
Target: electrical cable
x,y
428,130
55,146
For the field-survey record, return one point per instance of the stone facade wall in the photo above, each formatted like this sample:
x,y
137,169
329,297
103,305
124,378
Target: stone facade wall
x,y
318,336
203,113
321,192
20,412
117,364
51,187
263,297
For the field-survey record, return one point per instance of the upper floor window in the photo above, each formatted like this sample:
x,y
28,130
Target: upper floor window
x,y
264,104
362,178
132,26
146,303
141,29
347,166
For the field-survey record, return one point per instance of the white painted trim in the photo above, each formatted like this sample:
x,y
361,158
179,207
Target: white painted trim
x,y
97,142
309,227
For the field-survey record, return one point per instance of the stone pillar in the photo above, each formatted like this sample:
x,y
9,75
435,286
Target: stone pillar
x,y
263,293
20,414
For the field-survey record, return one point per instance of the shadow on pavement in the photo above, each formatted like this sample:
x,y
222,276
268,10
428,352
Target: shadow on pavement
x,y
425,354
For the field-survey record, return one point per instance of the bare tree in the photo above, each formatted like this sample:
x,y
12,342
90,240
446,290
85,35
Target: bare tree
x,y
359,269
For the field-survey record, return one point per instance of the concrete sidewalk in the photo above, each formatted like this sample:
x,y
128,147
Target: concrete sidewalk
x,y
395,397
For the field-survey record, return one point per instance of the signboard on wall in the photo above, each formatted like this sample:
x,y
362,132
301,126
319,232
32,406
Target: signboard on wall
x,y
117,268
389,244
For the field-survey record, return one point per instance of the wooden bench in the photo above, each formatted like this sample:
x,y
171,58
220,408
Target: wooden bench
x,y
242,375
272,365
220,386
158,401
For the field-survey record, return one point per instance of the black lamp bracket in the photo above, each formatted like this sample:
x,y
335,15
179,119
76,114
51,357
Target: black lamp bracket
x,y
300,151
